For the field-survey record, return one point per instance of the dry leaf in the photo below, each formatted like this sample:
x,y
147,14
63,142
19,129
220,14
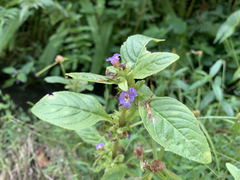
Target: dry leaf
x,y
41,159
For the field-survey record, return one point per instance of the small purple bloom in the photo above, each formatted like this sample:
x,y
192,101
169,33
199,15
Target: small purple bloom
x,y
17,81
15,71
127,96
114,60
99,145
129,136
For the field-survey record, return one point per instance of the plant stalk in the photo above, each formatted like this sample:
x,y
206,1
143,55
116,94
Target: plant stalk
x,y
115,148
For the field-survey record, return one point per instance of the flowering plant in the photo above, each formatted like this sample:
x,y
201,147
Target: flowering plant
x,y
169,123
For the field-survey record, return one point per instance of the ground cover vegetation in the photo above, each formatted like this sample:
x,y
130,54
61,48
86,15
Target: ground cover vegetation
x,y
43,41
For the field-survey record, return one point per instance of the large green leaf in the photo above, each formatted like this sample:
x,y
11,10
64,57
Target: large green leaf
x,y
235,172
70,110
115,173
176,129
145,63
93,78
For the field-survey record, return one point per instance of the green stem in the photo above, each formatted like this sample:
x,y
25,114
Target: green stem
x,y
123,116
217,117
154,146
46,68
232,52
190,9
63,69
115,148
129,159
160,155
212,145
136,124
140,17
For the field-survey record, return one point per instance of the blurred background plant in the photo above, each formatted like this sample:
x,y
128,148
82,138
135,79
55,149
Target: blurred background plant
x,y
206,78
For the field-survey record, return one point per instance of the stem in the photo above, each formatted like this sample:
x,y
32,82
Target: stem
x,y
115,148
217,117
232,52
160,155
154,146
140,122
46,68
129,159
140,17
63,70
123,116
189,11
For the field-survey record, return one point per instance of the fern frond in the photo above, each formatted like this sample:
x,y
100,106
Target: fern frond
x,y
36,3
10,29
6,14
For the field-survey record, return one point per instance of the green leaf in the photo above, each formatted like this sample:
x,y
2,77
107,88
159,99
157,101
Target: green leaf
x,y
227,108
123,85
115,173
176,129
26,68
236,76
228,27
22,77
145,63
8,83
92,78
199,83
134,46
91,135
217,91
151,63
215,68
56,79
70,110
8,70
207,100
144,93
235,172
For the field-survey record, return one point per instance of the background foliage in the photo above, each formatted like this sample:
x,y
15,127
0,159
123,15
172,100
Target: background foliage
x,y
205,34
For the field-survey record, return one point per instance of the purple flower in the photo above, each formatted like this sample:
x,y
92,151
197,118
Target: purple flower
x,y
114,60
129,136
15,71
127,96
99,145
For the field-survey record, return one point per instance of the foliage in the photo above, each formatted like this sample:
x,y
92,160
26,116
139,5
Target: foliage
x,y
78,111
205,78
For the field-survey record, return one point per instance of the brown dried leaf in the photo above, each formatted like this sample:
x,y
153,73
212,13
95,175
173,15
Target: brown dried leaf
x,y
41,159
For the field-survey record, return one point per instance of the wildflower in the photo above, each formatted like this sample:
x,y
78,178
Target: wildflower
x,y
127,96
99,146
139,152
114,60
15,71
157,166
